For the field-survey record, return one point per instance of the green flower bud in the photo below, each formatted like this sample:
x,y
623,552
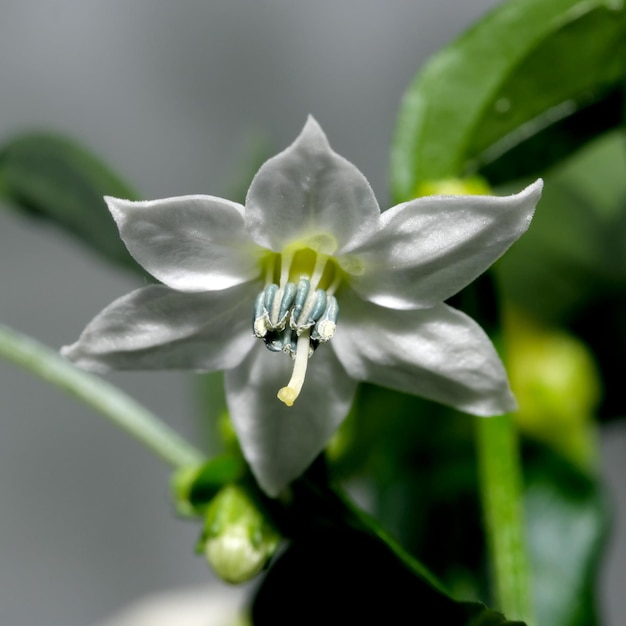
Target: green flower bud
x,y
472,186
238,538
557,386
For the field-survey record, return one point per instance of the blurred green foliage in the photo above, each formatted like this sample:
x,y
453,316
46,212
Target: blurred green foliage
x,y
56,179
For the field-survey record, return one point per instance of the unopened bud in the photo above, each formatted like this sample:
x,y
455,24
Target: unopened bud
x,y
557,385
238,538
471,186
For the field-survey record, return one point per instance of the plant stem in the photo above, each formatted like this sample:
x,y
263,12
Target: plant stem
x,y
501,487
100,395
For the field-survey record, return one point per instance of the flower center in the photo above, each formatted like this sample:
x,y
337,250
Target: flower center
x,y
297,310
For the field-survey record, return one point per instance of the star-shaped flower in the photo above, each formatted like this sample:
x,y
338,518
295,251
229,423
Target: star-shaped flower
x,y
305,291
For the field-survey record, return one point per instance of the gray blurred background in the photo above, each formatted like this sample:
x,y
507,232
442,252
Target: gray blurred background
x,y
172,95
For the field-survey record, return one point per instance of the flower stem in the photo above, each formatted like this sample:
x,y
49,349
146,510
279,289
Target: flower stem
x,y
501,487
100,395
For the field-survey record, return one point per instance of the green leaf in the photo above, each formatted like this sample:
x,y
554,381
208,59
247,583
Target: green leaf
x,y
340,568
533,78
555,142
53,178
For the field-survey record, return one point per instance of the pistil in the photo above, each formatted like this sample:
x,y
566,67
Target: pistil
x,y
289,393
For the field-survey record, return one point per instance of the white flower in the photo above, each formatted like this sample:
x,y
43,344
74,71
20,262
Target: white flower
x,y
310,267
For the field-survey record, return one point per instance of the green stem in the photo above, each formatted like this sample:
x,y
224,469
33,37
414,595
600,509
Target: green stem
x,y
101,396
501,487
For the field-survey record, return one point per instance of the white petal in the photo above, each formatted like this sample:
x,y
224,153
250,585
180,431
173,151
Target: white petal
x,y
279,442
308,190
189,243
430,248
438,353
159,328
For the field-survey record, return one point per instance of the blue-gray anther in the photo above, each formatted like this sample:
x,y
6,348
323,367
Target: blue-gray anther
x,y
270,294
289,295
326,325
302,291
259,327
304,310
273,304
319,306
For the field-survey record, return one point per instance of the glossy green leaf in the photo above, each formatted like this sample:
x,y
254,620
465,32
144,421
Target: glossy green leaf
x,y
53,178
341,568
522,79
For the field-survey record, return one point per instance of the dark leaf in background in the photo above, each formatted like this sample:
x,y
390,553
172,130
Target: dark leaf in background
x,y
340,574
535,78
569,269
557,267
549,145
602,324
56,179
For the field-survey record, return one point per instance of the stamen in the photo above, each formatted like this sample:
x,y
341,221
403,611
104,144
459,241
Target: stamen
x,y
303,319
273,311
314,306
289,295
259,327
302,291
325,328
270,295
319,306
273,298
289,393
318,270
285,266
